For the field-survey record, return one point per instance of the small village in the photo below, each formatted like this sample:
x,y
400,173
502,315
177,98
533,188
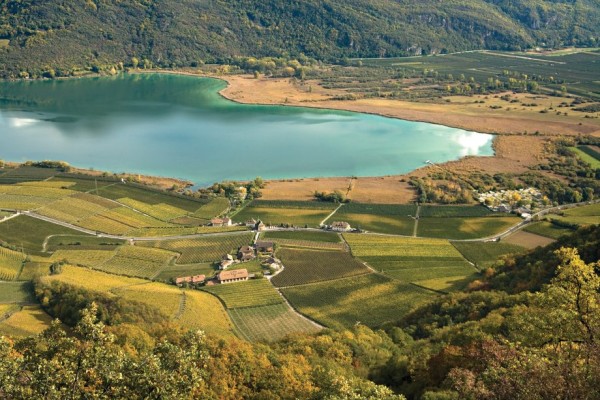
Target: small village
x,y
522,202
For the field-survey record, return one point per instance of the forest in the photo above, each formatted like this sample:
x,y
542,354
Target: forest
x,y
63,38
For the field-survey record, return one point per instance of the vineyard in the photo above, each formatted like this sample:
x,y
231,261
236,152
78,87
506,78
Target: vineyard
x,y
16,292
311,236
378,209
161,211
308,266
86,258
202,249
455,211
395,225
28,321
26,173
269,323
410,259
484,254
71,209
215,207
465,228
584,215
286,216
252,293
11,263
310,244
204,311
93,280
371,300
103,224
138,261
547,229
30,233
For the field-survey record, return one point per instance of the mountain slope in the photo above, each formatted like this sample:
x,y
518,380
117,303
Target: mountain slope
x,y
63,34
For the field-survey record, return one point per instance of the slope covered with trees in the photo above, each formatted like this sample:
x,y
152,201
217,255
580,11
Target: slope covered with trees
x,y
59,37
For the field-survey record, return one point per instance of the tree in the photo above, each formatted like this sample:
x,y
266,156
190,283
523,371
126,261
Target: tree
x,y
135,62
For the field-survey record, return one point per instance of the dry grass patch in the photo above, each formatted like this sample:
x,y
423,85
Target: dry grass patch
x,y
29,321
527,239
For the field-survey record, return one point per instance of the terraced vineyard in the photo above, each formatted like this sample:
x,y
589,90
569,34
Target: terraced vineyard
x,y
465,227
308,266
484,254
11,263
367,299
138,261
252,293
203,249
411,259
269,323
310,244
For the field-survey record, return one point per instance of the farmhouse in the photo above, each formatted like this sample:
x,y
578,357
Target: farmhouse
x,y
237,275
251,223
341,226
221,221
260,226
265,247
194,280
246,253
226,261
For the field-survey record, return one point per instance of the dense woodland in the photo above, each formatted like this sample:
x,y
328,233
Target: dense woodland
x,y
62,38
529,328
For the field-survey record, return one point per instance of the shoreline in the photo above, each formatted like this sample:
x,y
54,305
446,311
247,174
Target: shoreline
x,y
245,89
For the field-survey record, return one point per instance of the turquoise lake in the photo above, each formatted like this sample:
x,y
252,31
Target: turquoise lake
x,y
180,126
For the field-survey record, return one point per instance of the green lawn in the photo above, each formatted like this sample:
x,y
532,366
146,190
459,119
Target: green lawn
x,y
595,163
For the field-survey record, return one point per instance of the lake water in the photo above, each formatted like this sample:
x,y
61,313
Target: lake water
x,y
179,126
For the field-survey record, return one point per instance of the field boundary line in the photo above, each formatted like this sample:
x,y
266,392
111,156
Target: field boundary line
x,y
291,307
182,305
331,214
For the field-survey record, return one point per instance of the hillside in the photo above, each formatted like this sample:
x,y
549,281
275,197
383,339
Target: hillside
x,y
36,36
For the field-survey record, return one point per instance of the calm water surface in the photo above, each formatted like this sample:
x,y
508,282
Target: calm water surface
x,y
179,126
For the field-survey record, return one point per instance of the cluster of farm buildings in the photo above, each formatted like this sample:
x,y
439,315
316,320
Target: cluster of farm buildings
x,y
521,201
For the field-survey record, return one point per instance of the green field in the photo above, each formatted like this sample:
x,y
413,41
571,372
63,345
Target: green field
x,y
547,229
16,292
25,174
252,293
215,207
81,242
174,271
30,233
411,259
464,228
308,266
382,218
137,261
294,213
312,236
454,211
205,249
588,158
269,323
367,299
484,254
583,215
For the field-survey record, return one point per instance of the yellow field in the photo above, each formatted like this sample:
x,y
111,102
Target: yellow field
x,y
165,298
93,280
204,311
10,263
380,246
161,211
89,258
31,320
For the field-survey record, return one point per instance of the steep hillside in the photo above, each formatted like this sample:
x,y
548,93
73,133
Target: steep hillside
x,y
66,35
